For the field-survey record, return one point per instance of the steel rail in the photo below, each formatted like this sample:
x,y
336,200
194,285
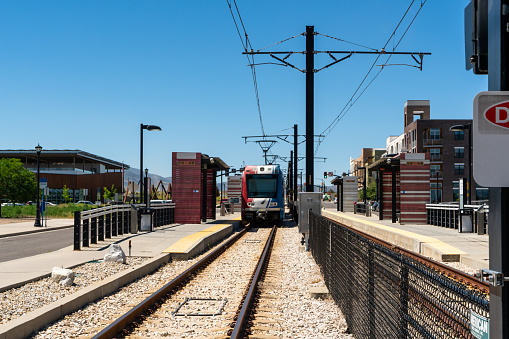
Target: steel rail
x,y
123,322
458,275
245,311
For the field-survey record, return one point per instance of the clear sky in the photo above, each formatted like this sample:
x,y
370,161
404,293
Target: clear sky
x,y
85,74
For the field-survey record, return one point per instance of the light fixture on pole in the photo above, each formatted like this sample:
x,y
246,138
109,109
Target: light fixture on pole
x,y
37,223
148,128
457,128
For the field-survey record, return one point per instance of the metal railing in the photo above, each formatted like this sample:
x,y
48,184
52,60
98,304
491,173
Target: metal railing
x,y
427,142
448,215
110,221
384,293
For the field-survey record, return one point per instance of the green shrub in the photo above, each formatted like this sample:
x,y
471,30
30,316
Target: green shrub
x,y
60,211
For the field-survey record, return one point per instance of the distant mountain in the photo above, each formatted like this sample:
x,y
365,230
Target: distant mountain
x,y
133,174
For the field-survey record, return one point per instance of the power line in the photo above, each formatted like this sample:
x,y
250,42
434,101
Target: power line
x,y
350,103
250,62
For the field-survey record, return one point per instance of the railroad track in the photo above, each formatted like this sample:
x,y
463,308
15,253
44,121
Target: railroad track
x,y
214,297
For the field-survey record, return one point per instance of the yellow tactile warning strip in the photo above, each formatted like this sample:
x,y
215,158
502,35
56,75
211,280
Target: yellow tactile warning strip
x,y
437,244
187,242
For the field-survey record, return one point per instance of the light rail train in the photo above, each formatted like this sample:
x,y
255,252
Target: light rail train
x,y
262,195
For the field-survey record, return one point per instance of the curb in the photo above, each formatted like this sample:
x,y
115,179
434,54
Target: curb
x,y
42,229
23,326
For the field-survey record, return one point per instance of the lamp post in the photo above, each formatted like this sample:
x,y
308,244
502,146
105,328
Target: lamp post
x,y
438,201
148,128
468,126
146,186
37,223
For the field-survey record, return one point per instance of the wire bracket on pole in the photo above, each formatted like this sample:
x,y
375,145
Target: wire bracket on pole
x,y
286,62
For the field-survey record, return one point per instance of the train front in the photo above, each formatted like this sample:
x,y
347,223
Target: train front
x,y
262,194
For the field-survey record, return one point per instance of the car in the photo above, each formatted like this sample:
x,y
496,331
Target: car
x,y
50,204
11,204
85,202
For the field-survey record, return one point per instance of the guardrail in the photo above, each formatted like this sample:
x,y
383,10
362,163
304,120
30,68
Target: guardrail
x,y
385,292
448,215
110,221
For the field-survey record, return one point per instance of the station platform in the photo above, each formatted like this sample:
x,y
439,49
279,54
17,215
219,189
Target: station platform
x,y
175,241
439,243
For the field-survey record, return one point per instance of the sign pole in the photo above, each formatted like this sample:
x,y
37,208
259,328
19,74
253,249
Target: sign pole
x,y
498,80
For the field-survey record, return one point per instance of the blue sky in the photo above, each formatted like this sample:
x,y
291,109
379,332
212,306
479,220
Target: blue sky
x,y
85,74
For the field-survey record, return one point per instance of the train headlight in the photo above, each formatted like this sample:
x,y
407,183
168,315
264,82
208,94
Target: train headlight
x,y
273,204
250,204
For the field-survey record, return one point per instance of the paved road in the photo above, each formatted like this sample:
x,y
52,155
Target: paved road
x,y
32,244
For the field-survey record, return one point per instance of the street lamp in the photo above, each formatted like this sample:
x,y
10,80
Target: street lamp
x,y
148,128
146,183
468,126
37,223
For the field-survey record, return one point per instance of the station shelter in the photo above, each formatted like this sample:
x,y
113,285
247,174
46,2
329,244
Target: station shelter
x,y
403,186
347,189
194,189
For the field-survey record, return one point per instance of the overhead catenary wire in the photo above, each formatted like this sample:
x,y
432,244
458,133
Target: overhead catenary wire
x,y
250,61
352,101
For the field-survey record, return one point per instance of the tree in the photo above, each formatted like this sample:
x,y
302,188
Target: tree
x,y
65,194
17,184
109,194
370,192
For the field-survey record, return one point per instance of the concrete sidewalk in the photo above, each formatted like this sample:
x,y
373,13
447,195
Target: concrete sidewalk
x,y
144,244
438,243
27,227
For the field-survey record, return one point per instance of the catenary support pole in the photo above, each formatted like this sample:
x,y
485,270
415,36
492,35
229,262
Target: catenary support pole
x,y
498,80
295,147
141,163
310,73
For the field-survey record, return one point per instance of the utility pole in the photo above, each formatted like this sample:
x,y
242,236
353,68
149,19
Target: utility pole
x,y
310,97
295,145
310,71
498,80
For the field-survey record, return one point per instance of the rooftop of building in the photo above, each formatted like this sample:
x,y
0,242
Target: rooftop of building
x,y
63,156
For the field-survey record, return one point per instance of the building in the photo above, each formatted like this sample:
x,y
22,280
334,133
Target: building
x,y
394,144
358,165
85,174
449,151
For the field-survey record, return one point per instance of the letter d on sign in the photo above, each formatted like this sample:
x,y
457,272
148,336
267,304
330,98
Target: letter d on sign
x,y
498,119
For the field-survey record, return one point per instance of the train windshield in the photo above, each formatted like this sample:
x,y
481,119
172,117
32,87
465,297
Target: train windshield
x,y
262,186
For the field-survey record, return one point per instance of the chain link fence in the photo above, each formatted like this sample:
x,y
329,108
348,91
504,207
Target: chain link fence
x,y
385,294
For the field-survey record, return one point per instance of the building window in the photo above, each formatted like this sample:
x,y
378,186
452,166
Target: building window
x,y
459,152
481,193
459,135
434,170
435,195
434,154
459,168
434,133
455,191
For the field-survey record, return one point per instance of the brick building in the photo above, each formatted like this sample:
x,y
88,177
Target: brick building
x,y
449,156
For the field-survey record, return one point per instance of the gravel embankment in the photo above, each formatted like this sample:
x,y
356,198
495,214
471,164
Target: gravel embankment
x,y
303,317
18,301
